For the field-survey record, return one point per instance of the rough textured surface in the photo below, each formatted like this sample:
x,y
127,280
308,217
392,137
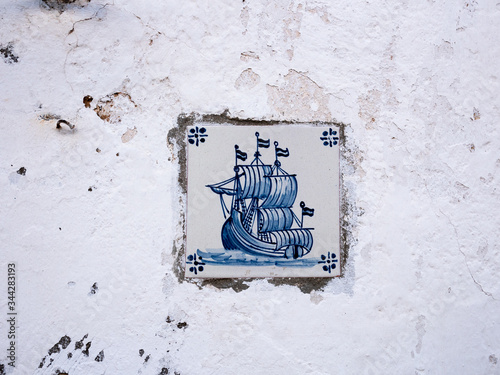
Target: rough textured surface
x,y
102,203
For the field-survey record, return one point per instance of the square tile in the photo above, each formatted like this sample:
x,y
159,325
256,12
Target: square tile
x,y
262,201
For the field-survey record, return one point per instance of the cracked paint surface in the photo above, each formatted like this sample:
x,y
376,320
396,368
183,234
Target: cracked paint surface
x,y
102,203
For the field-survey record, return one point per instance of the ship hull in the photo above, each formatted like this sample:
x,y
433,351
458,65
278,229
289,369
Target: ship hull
x,y
235,237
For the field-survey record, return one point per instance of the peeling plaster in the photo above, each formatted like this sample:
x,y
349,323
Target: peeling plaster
x,y
414,80
299,97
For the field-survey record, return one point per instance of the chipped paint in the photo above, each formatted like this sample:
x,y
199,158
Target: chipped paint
x,y
416,86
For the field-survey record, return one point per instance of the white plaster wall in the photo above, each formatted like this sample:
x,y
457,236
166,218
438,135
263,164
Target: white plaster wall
x,y
416,82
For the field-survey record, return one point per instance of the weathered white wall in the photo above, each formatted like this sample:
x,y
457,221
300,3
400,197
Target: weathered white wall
x,y
417,84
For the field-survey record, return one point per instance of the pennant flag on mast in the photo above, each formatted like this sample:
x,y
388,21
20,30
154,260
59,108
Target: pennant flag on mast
x,y
264,143
306,211
281,152
240,154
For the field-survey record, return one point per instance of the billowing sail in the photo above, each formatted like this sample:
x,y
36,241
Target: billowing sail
x,y
298,237
282,191
253,183
271,219
221,190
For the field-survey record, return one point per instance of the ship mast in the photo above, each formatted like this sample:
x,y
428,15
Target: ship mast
x,y
237,186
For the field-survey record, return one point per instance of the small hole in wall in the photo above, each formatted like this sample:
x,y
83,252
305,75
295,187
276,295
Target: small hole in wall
x,y
182,325
94,289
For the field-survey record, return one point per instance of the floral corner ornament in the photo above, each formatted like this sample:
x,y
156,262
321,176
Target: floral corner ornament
x,y
329,137
197,263
197,135
329,262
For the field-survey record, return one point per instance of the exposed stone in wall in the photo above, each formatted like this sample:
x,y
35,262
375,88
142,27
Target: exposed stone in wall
x,y
112,107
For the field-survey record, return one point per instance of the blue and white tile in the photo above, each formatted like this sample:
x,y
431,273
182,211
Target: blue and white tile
x,y
263,201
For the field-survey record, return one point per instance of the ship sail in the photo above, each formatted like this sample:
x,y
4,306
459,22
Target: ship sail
x,y
271,219
220,189
254,183
297,237
282,192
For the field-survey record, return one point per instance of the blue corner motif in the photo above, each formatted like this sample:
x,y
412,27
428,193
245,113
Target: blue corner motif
x,y
329,137
197,263
329,262
197,136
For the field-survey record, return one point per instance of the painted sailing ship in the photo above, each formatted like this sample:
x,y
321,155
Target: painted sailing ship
x,y
260,220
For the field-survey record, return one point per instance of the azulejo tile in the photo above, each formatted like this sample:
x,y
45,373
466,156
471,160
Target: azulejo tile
x,y
262,201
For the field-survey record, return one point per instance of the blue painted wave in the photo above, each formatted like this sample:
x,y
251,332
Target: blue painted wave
x,y
224,257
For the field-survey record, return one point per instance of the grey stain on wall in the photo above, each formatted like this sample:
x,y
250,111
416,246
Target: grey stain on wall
x,y
62,5
7,53
63,356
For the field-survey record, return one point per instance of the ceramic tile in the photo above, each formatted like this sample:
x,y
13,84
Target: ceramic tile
x,y
262,201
